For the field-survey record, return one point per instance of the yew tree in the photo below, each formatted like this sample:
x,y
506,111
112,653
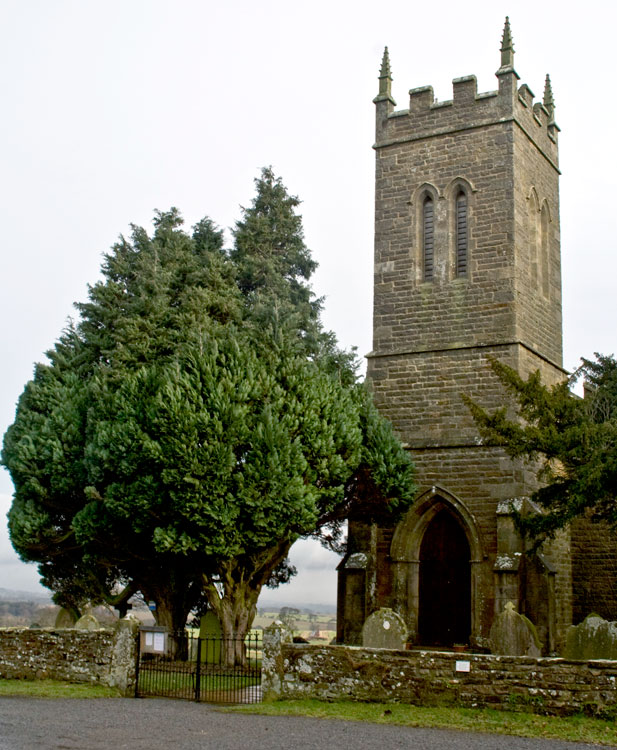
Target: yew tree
x,y
571,440
158,297
196,421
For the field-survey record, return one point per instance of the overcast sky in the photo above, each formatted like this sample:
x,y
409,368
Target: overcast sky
x,y
113,109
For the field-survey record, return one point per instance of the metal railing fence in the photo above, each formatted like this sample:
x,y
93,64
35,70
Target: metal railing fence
x,y
212,669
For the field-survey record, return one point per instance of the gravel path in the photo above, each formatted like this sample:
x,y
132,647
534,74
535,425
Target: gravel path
x,y
159,724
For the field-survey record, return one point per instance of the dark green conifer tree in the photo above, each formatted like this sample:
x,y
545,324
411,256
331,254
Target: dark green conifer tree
x,y
160,296
196,421
572,440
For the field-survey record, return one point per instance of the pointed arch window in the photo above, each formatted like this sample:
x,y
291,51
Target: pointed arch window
x,y
428,238
544,219
533,238
462,234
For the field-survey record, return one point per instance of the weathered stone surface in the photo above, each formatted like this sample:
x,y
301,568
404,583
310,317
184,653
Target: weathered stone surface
x,y
594,570
513,635
124,655
210,631
546,685
87,622
434,338
74,655
594,638
384,629
273,666
210,626
65,619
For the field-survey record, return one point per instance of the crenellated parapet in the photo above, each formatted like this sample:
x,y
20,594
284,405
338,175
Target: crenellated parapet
x,y
469,109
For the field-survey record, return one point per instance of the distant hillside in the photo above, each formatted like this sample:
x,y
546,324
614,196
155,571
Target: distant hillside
x,y
16,595
325,609
20,614
42,598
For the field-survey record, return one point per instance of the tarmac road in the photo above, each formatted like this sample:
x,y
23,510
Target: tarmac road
x,y
160,724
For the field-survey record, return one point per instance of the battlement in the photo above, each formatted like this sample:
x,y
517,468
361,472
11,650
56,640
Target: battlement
x,y
426,117
465,90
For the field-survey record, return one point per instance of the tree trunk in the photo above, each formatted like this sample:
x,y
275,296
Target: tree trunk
x,y
236,614
175,595
233,597
120,601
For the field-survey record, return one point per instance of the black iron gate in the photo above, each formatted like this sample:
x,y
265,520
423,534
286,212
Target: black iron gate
x,y
213,670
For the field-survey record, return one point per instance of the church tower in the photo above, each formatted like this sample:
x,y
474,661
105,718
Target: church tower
x,y
467,268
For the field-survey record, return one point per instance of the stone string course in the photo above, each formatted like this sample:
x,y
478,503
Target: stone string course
x,y
541,685
104,656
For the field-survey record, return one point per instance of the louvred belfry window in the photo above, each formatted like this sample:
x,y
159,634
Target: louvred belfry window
x,y
428,238
544,250
461,234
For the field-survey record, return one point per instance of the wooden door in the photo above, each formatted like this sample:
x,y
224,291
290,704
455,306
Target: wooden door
x,y
445,583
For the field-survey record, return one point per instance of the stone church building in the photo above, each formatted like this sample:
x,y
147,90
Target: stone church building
x,y
467,268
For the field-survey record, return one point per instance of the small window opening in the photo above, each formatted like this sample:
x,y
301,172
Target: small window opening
x,y
462,237
428,238
544,251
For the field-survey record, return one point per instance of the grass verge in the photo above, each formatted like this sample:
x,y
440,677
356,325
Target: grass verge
x,y
574,728
55,689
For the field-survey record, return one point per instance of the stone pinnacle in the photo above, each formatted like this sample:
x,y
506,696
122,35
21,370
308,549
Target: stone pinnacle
x,y
385,65
507,46
385,80
548,100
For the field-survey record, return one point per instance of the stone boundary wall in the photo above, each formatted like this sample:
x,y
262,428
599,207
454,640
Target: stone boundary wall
x,y
107,656
541,685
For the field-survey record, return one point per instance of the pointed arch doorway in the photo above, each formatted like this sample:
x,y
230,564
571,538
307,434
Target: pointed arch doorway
x,y
437,555
444,615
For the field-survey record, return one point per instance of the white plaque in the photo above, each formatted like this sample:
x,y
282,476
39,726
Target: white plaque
x,y
463,666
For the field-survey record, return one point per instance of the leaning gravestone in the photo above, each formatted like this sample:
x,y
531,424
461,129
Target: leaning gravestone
x,y
512,634
87,622
211,635
65,619
384,629
594,638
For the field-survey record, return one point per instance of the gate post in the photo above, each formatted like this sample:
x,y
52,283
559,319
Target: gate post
x,y
137,660
272,667
124,667
198,671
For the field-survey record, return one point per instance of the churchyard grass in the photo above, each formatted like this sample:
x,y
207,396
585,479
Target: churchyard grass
x,y
576,728
55,689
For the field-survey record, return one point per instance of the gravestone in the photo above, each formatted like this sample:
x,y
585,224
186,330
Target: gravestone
x,y
65,619
594,638
87,622
211,633
384,629
512,634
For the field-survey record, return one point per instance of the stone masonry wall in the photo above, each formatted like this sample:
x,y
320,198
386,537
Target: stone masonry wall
x,y
542,685
410,312
433,338
501,148
537,259
594,568
422,396
104,656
